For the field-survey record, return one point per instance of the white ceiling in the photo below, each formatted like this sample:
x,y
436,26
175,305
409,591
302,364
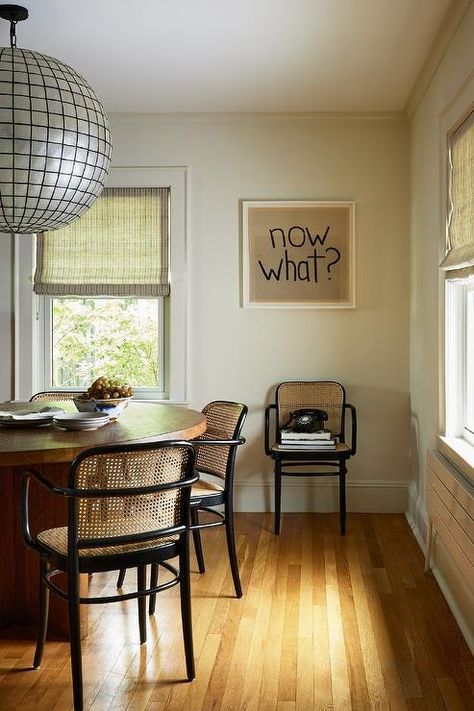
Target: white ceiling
x,y
238,55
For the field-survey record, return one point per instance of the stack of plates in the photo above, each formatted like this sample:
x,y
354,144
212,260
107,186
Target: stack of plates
x,y
38,419
82,420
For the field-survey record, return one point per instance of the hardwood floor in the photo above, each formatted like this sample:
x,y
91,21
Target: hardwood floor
x,y
326,622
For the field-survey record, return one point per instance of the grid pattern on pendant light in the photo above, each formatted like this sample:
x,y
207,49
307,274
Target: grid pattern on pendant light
x,y
55,144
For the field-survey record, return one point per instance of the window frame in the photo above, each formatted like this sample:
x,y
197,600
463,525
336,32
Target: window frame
x,y
45,327
31,322
451,441
456,358
469,350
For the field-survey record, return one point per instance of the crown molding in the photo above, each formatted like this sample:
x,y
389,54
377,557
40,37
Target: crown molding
x,y
451,21
256,117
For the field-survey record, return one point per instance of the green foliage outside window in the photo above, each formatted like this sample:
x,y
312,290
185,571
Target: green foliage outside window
x,y
113,337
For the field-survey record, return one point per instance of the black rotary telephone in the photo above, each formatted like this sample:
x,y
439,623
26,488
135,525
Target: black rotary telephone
x,y
307,420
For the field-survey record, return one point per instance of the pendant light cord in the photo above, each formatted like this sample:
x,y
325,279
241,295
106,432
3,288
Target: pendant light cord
x,y
13,33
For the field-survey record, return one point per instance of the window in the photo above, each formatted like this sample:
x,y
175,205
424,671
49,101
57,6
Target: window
x,y
94,336
460,359
458,264
65,340
97,272
469,416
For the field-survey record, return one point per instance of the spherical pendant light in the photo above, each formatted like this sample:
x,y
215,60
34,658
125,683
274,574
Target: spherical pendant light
x,y
55,144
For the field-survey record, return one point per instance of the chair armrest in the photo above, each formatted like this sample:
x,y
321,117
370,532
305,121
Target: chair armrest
x,y
29,474
353,412
202,442
268,410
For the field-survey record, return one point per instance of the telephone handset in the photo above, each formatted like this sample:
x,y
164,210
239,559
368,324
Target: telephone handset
x,y
307,420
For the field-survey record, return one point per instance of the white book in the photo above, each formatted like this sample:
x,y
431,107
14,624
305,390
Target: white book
x,y
309,447
305,436
307,442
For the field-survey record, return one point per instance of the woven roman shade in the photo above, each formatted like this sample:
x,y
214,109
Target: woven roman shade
x,y
119,247
458,261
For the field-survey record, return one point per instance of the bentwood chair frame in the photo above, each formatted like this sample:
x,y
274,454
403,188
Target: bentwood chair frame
x,y
114,522
327,395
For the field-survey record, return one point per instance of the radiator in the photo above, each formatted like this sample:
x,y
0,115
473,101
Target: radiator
x,y
450,509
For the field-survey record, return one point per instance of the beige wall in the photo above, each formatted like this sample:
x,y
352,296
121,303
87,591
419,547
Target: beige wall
x,y
241,354
426,246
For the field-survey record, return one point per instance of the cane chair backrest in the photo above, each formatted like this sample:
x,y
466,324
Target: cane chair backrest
x,y
55,395
321,394
224,421
148,496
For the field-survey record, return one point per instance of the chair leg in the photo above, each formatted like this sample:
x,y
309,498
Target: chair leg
x,y
234,566
75,640
277,496
186,616
342,502
44,613
153,584
141,587
197,541
121,578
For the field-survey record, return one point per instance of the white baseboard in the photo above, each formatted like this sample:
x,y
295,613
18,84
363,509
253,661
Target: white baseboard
x,y
321,495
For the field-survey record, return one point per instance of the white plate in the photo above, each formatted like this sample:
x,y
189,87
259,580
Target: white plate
x,y
82,420
81,416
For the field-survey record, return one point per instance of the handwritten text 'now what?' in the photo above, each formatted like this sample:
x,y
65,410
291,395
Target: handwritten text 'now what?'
x,y
317,260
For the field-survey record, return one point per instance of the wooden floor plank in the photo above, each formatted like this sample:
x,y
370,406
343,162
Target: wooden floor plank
x,y
326,622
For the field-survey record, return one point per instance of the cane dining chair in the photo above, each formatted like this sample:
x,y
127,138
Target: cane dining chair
x,y
127,506
325,395
216,451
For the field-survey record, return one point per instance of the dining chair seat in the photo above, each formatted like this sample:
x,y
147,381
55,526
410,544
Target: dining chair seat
x,y
56,539
206,487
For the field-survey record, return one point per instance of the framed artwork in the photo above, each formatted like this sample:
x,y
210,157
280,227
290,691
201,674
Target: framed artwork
x,y
298,254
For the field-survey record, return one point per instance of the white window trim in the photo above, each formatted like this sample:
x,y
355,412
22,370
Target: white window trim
x,y
468,433
455,354
29,346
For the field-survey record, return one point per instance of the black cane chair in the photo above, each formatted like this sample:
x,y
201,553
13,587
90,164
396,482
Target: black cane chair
x,y
55,395
215,459
216,450
325,395
128,506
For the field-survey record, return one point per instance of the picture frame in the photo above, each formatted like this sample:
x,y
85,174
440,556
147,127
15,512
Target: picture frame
x,y
298,254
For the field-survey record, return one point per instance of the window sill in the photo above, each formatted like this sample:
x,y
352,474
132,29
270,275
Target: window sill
x,y
460,453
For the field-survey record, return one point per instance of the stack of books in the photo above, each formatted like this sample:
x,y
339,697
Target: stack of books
x,y
320,441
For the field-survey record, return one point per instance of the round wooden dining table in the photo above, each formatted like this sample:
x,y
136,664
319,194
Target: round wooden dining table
x,y
50,450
